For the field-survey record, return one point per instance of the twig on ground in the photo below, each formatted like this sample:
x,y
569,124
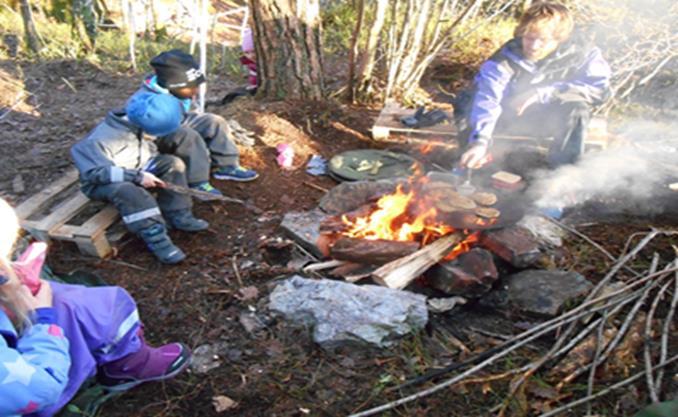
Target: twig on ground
x,y
529,335
236,271
590,241
320,266
304,251
596,356
566,334
497,336
68,83
647,353
620,334
19,100
315,187
665,332
127,264
606,390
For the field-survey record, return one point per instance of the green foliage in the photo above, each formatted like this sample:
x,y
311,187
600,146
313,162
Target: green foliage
x,y
339,20
112,47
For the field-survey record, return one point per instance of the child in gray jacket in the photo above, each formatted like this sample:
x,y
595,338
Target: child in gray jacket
x,y
119,163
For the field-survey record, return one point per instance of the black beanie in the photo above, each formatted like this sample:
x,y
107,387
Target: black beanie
x,y
176,69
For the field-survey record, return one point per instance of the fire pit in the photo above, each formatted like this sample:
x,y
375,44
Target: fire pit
x,y
395,233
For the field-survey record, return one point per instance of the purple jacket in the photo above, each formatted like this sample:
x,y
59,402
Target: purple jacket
x,y
572,73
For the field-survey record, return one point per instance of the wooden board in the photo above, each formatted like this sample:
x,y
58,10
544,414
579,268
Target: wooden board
x,y
46,195
388,122
90,236
446,134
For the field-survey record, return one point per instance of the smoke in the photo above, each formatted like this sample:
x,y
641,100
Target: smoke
x,y
632,172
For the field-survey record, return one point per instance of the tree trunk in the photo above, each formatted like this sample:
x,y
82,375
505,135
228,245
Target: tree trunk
x,y
369,54
353,51
32,37
289,55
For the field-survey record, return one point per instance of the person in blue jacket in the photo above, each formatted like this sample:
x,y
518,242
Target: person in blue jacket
x,y
542,83
54,337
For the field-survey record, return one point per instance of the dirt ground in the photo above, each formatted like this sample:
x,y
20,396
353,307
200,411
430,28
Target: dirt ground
x,y
274,369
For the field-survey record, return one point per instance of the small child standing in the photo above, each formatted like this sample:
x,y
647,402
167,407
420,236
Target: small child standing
x,y
249,67
248,61
55,337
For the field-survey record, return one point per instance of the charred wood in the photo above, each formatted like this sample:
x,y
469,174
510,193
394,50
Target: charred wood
x,y
371,252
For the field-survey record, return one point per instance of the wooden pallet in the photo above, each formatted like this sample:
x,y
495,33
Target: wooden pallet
x,y
388,125
50,214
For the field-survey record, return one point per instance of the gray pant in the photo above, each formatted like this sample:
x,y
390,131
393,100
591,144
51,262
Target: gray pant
x,y
138,208
202,141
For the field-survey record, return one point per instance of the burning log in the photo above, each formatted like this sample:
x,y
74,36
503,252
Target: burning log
x,y
371,252
336,223
397,274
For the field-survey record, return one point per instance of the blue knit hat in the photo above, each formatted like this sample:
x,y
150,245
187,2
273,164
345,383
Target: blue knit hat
x,y
155,114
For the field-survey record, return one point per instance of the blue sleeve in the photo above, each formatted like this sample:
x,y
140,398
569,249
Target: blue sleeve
x,y
35,373
590,83
491,84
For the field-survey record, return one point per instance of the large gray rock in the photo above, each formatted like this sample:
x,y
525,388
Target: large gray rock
x,y
343,313
544,292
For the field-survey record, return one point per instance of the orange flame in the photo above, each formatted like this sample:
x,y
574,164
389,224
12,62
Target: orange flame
x,y
392,220
463,246
400,217
427,148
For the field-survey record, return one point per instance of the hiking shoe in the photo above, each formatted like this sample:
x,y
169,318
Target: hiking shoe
x,y
553,212
145,365
206,187
184,220
235,173
161,245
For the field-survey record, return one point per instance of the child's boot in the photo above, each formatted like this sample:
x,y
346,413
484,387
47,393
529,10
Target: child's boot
x,y
145,365
161,245
184,220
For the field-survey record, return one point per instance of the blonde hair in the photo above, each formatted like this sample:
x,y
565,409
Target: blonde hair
x,y
546,17
11,296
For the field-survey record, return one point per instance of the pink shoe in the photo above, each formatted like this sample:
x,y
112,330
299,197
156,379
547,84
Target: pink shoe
x,y
147,364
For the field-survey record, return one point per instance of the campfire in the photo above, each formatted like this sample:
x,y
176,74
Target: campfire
x,y
401,234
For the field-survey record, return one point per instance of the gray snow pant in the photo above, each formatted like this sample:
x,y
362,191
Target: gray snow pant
x,y
138,208
202,141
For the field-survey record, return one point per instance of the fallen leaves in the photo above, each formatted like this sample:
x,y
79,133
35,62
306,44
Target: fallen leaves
x,y
222,403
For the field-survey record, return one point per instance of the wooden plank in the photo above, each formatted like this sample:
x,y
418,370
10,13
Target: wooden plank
x,y
389,121
32,227
397,274
98,223
47,194
98,247
63,213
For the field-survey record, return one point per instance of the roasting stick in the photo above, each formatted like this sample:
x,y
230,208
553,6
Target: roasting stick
x,y
205,196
